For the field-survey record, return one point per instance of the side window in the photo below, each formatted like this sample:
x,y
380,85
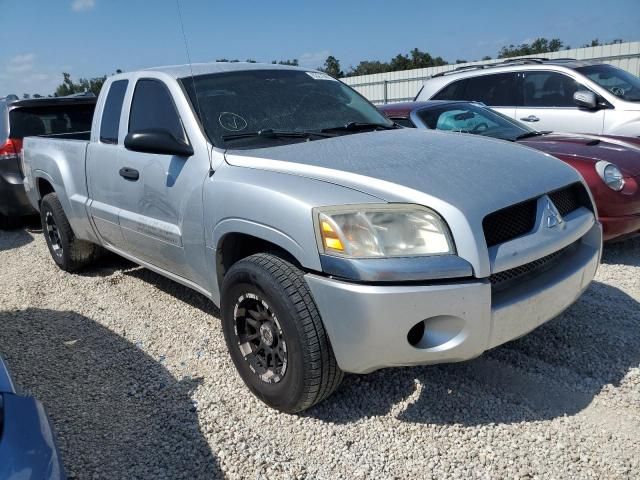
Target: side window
x,y
153,107
110,123
497,90
405,122
453,91
549,89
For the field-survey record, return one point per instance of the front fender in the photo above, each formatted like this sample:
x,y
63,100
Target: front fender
x,y
307,259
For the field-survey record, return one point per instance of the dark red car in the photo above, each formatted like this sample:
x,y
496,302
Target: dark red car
x,y
610,165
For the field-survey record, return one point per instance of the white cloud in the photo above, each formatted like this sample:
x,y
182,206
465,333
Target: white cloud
x,y
313,59
22,74
21,63
38,77
82,5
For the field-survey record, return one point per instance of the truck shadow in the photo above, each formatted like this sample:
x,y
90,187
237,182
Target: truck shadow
x,y
555,370
10,239
21,234
626,252
117,412
110,263
185,294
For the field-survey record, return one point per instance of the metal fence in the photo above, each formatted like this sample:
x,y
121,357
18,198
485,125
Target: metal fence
x,y
401,86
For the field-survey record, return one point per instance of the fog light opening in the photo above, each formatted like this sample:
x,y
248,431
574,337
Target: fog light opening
x,y
416,333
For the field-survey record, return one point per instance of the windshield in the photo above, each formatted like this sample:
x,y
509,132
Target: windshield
x,y
472,118
621,83
234,103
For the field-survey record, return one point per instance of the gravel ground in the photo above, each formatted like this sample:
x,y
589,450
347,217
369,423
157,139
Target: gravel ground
x,y
134,372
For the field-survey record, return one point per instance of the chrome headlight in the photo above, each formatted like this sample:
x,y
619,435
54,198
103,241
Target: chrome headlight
x,y
611,175
388,230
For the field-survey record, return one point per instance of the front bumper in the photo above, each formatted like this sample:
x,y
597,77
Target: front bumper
x,y
368,325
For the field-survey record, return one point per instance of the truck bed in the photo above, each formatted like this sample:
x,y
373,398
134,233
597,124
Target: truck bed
x,y
60,162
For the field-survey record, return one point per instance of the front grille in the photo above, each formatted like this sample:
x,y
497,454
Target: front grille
x,y
571,198
517,220
510,222
500,281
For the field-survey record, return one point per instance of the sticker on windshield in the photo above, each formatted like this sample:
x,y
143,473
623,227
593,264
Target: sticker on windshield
x,y
232,121
320,76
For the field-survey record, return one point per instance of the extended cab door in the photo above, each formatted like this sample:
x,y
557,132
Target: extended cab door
x,y
547,104
161,212
103,179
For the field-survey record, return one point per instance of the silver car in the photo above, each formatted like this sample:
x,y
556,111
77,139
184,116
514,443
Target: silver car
x,y
331,239
559,95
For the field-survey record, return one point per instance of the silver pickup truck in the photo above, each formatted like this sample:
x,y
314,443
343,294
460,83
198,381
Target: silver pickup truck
x,y
332,240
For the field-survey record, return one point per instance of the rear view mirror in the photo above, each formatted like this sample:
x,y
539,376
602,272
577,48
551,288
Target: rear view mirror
x,y
585,99
157,140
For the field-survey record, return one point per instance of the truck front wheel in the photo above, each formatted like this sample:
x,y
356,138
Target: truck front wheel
x,y
275,335
69,253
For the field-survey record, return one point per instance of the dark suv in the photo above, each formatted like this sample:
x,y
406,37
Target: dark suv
x,y
33,117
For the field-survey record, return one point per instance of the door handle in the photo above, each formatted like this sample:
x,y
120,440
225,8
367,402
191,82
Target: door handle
x,y
530,118
129,173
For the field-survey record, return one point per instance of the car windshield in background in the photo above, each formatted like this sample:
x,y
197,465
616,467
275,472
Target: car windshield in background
x,y
621,83
472,118
50,120
260,108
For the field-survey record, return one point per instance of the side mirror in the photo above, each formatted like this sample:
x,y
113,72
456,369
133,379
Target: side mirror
x,y
157,140
585,99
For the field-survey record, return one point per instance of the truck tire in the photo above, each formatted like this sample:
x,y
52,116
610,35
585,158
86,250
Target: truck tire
x,y
69,253
275,335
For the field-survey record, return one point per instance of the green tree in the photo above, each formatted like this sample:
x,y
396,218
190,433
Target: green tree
x,y
400,62
332,67
486,57
293,62
538,46
414,59
420,59
596,43
368,67
69,87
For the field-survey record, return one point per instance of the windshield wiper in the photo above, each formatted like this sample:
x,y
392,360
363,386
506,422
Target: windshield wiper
x,y
357,126
271,133
533,134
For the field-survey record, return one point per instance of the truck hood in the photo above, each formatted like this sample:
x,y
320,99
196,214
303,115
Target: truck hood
x,y
623,152
474,175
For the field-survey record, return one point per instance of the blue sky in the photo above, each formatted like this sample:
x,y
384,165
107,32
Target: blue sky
x,y
41,38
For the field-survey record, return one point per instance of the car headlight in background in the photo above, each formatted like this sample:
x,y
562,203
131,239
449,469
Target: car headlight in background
x,y
611,175
388,230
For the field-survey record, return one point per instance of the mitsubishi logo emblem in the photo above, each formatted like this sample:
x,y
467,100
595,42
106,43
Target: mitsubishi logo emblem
x,y
551,215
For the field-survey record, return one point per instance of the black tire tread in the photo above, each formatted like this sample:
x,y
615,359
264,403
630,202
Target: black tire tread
x,y
80,253
322,373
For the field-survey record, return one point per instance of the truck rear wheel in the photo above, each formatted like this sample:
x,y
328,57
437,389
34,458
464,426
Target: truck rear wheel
x,y
69,253
275,335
